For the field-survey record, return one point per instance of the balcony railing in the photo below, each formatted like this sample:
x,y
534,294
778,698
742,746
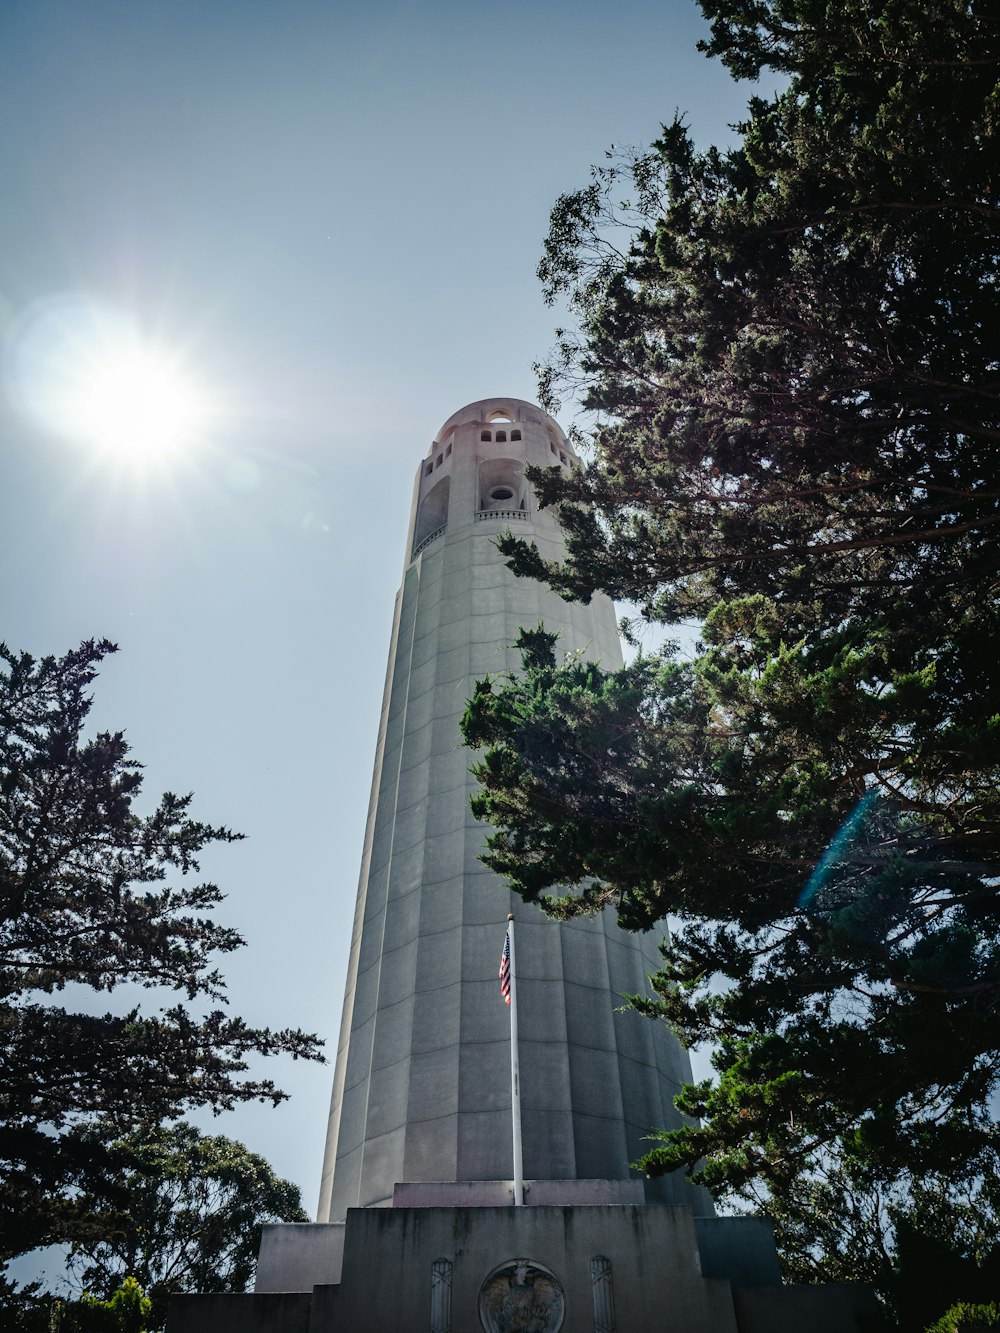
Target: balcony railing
x,y
431,536
503,514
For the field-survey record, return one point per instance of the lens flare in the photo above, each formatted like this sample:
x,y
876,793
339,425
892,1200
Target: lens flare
x,y
85,371
132,399
841,842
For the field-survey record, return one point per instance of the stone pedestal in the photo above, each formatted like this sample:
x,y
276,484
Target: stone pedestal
x,y
542,1268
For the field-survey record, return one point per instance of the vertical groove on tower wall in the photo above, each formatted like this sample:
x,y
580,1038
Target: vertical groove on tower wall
x,y
412,585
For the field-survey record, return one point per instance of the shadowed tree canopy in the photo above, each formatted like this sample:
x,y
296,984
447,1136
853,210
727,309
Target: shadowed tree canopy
x,y
790,358
790,347
95,895
839,948
185,1215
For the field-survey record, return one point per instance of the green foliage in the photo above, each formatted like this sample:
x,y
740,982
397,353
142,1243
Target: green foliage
x,y
126,1311
920,1239
184,1214
786,349
964,1318
94,894
788,345
707,791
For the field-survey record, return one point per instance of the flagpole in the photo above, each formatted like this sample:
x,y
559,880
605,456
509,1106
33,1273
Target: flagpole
x,y
515,1084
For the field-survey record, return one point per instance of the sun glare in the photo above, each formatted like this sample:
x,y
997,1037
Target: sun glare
x,y
86,371
132,401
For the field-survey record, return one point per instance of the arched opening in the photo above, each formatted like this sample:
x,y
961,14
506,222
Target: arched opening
x,y
433,511
501,485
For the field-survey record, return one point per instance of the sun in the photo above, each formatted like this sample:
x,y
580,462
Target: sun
x,y
88,372
131,401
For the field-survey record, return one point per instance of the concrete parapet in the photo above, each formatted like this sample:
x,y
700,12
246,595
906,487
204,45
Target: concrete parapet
x,y
500,1193
223,1312
297,1256
612,1268
740,1249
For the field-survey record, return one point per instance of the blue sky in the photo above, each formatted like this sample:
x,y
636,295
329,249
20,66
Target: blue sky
x,y
332,213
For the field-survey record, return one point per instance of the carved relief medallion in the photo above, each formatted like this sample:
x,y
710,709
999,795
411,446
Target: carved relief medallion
x,y
521,1297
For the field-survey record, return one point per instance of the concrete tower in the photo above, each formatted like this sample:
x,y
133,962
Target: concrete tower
x,y
422,1089
421,1116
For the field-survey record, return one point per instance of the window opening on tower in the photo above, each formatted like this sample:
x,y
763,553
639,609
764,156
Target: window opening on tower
x,y
515,435
501,485
501,437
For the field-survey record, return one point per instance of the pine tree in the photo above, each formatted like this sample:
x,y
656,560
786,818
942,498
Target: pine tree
x,y
788,353
96,894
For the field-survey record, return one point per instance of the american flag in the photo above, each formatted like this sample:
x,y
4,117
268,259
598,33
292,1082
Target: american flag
x,y
505,970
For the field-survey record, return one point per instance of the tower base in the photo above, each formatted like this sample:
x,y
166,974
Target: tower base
x,y
544,1268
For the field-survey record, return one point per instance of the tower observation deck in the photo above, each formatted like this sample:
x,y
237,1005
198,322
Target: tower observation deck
x,y
421,1090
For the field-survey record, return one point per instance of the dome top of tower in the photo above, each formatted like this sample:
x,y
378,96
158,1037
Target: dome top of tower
x,y
501,409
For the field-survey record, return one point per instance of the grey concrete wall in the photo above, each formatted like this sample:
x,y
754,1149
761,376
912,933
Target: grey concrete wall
x,y
296,1256
500,1193
740,1249
300,1256
634,1269
656,1281
421,1090
221,1312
